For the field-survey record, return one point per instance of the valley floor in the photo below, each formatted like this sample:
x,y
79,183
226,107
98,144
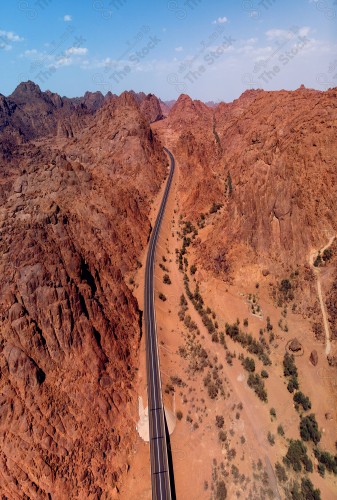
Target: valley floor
x,y
225,436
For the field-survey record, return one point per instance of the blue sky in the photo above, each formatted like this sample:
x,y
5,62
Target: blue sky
x,y
210,49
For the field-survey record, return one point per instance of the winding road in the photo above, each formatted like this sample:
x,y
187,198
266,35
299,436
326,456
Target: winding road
x,y
160,467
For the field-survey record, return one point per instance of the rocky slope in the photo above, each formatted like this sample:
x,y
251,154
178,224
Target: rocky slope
x,y
73,223
269,158
77,180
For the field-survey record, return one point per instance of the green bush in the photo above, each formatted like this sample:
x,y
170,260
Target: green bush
x,y
219,421
289,367
328,460
212,390
249,365
321,469
247,341
183,301
256,383
296,455
271,438
280,473
222,436
221,491
193,269
302,400
309,429
166,279
293,384
308,491
280,430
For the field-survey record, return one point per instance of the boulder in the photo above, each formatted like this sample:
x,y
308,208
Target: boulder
x,y
295,346
314,358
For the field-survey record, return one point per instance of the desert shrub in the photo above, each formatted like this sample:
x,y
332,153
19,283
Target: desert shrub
x,y
162,297
256,383
272,412
215,337
163,267
249,365
177,381
286,289
280,430
221,491
222,436
309,429
325,458
280,473
269,325
327,254
219,421
183,301
193,269
296,455
212,390
166,279
307,464
245,322
208,323
271,438
293,384
222,338
308,491
302,400
215,207
179,415
264,374
247,341
321,469
289,367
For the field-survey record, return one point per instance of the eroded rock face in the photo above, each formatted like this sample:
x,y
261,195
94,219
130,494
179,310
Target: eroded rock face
x,y
73,221
269,159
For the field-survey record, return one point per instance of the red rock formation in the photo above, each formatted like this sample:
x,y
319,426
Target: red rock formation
x,y
73,221
277,150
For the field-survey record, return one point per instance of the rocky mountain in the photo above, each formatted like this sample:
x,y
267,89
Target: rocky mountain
x,y
166,107
91,100
30,114
73,222
78,176
269,159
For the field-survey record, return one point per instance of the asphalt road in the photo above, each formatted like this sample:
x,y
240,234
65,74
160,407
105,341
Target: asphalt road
x,y
160,471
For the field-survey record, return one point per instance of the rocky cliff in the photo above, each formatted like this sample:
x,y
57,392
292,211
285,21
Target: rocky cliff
x,y
73,223
266,163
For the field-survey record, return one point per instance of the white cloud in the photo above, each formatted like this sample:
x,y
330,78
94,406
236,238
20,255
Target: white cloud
x,y
10,36
30,53
280,34
277,34
220,20
76,51
67,18
178,49
304,31
63,61
5,46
